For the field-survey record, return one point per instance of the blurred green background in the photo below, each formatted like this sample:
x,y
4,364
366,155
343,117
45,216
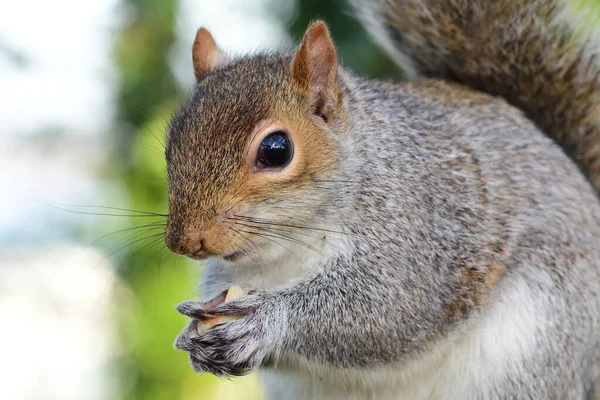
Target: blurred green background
x,y
98,280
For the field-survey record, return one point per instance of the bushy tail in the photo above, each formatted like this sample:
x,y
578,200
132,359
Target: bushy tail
x,y
523,50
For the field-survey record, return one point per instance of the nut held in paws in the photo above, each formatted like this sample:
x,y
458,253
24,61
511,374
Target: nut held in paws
x,y
204,326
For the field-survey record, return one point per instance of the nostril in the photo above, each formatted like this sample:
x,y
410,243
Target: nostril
x,y
185,243
199,247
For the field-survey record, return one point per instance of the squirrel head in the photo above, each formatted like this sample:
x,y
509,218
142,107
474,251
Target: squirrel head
x,y
245,152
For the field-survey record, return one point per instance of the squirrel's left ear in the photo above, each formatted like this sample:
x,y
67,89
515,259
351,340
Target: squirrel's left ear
x,y
315,69
205,53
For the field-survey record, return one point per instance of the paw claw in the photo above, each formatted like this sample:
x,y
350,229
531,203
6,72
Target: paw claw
x,y
194,309
233,348
242,305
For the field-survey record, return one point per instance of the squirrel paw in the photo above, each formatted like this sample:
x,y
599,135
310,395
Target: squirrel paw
x,y
234,348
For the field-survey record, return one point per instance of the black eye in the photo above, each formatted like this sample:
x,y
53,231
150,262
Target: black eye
x,y
274,151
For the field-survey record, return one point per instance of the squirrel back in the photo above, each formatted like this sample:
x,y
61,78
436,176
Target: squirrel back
x,y
524,51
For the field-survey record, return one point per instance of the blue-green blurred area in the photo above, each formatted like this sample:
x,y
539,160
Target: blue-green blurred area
x,y
87,288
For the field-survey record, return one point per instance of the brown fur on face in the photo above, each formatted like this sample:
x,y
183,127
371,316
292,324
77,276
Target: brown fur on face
x,y
211,154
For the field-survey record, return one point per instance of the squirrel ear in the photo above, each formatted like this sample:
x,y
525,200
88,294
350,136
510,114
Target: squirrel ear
x,y
205,53
315,68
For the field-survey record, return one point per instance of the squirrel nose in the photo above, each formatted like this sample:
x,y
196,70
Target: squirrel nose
x,y
185,243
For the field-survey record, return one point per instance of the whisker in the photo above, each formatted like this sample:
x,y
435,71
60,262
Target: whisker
x,y
157,252
108,214
153,225
399,178
60,206
269,239
242,237
152,149
316,235
165,253
290,239
256,255
143,231
153,242
153,236
256,246
268,222
162,143
276,230
334,181
249,241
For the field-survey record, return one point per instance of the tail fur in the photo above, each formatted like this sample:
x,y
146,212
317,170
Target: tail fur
x,y
523,50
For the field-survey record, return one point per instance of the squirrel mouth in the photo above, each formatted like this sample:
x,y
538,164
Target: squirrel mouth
x,y
231,257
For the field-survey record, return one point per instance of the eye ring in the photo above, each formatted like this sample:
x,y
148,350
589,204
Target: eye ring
x,y
276,150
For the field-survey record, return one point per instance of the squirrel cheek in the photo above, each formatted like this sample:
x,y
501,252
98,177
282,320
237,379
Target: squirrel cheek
x,y
217,239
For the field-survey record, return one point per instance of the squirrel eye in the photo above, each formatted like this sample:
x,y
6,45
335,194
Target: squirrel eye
x,y
274,151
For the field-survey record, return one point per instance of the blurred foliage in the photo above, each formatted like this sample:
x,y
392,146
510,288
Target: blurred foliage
x,y
12,55
141,56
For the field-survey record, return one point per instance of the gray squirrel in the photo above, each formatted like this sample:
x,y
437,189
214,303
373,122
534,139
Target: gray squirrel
x,y
432,239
